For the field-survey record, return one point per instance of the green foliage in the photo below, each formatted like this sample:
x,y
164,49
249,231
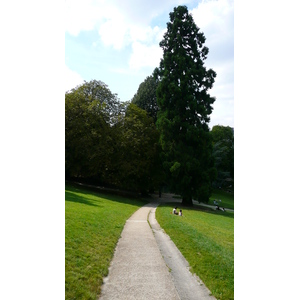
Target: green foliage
x,y
185,106
145,97
222,133
223,153
93,225
138,142
175,169
88,110
109,142
206,240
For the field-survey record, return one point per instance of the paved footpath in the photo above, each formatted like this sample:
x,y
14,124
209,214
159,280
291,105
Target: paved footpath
x,y
147,264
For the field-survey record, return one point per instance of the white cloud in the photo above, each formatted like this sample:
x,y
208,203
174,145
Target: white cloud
x,y
215,20
118,22
118,31
72,79
146,34
212,15
145,56
82,15
113,33
127,26
145,47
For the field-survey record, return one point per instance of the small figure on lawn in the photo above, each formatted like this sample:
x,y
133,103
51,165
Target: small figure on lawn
x,y
217,205
174,211
180,213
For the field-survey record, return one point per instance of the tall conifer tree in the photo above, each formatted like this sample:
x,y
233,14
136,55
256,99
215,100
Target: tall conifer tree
x,y
184,108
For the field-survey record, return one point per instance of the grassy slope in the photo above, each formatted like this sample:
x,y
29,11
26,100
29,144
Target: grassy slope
x,y
227,198
93,225
206,240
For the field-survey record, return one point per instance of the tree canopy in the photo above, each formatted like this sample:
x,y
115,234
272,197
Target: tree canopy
x,y
162,136
223,153
88,110
145,97
139,149
109,142
184,108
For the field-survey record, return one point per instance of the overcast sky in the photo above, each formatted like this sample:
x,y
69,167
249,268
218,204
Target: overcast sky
x,y
117,42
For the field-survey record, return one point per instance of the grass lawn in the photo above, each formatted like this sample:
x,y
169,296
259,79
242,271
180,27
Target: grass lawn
x,y
93,225
226,197
206,240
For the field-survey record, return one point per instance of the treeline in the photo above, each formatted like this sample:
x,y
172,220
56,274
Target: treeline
x,y
162,136
223,153
116,144
109,142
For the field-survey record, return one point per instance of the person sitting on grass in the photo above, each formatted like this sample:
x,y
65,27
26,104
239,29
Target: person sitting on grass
x,y
180,213
174,211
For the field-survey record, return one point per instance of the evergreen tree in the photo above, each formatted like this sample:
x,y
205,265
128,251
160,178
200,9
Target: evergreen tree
x,y
184,108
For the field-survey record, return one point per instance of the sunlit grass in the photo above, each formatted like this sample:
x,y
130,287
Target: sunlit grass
x,y
94,222
206,240
93,225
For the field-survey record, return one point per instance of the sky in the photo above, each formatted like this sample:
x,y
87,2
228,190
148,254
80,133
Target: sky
x,y
117,42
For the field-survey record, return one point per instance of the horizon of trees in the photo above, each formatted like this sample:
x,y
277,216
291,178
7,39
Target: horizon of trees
x,y
116,144
159,138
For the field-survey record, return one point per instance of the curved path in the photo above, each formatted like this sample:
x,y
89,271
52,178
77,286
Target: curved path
x,y
148,265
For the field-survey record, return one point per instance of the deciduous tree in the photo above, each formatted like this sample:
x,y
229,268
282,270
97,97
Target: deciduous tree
x,y
112,143
90,112
145,97
139,150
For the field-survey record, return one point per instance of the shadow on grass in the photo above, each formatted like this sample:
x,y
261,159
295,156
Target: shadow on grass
x,y
72,188
198,208
69,196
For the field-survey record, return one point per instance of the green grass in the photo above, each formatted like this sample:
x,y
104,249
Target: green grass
x,y
93,225
227,198
206,240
